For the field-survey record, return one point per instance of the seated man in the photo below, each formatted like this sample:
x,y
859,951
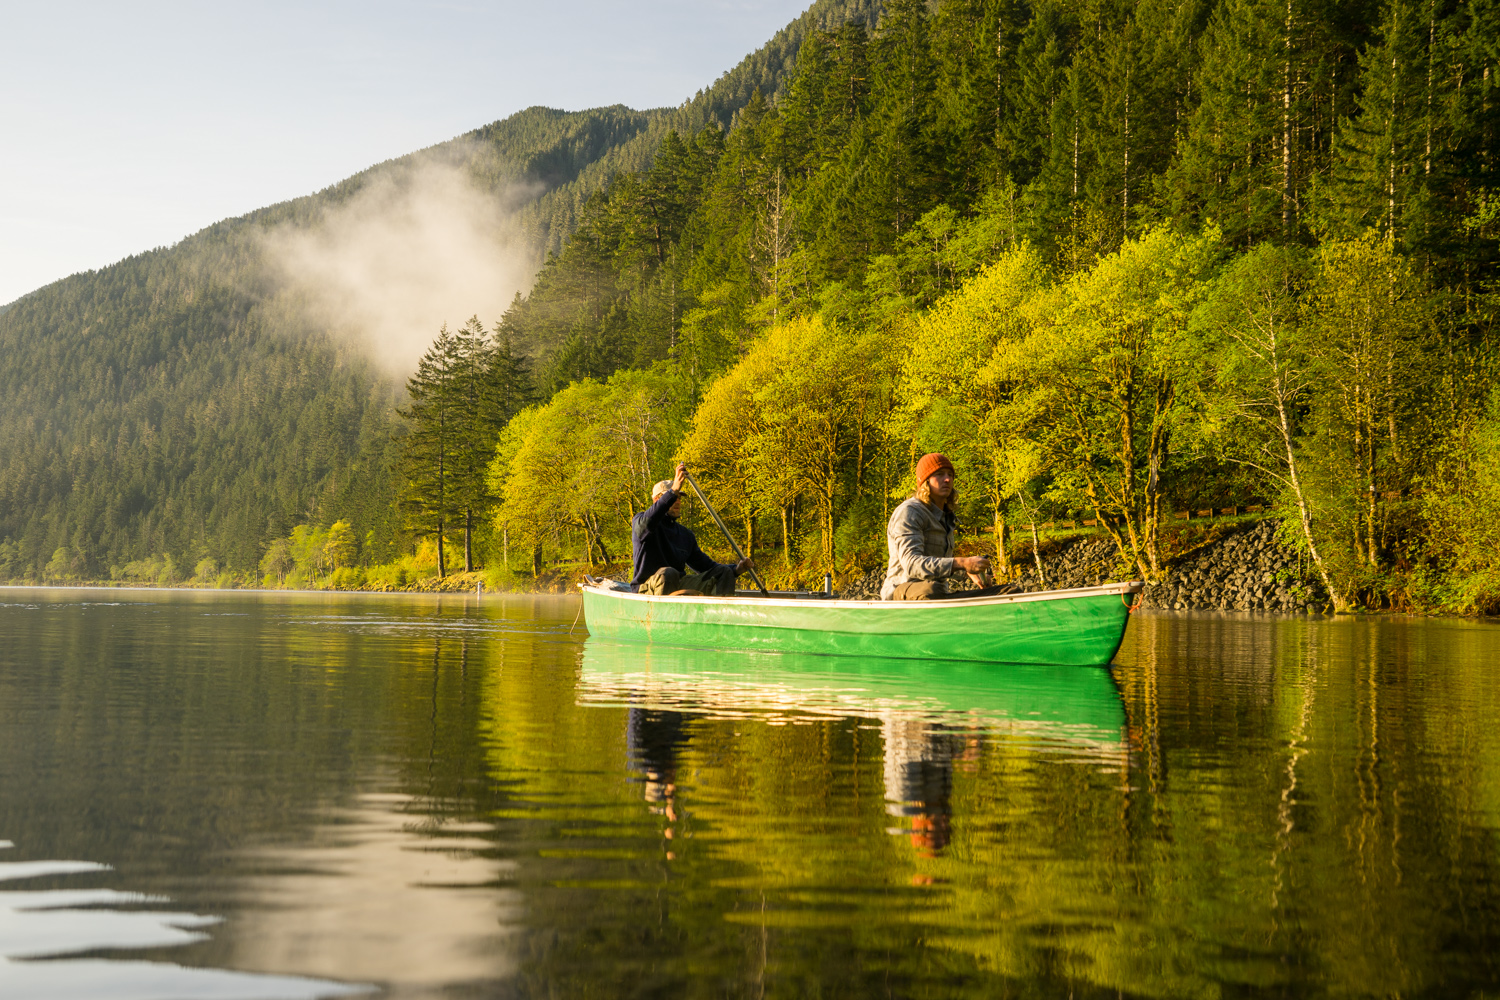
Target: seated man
x,y
920,539
663,549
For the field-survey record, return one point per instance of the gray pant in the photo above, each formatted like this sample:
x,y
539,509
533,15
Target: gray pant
x,y
715,582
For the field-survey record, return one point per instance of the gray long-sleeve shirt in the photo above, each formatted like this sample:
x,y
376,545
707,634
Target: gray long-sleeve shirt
x,y
919,538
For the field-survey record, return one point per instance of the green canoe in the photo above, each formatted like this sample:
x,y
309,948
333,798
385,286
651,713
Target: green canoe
x,y
1080,627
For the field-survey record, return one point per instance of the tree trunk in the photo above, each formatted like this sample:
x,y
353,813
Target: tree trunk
x,y
1036,554
468,541
1002,546
442,556
1125,169
786,535
596,537
1286,125
1284,426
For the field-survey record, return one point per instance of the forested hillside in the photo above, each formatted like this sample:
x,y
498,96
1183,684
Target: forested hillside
x,y
1121,260
574,170
175,412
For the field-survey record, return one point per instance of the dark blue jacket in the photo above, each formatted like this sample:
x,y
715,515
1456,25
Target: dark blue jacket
x,y
657,540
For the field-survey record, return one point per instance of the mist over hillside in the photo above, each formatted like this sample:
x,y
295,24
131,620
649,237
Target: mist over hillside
x,y
195,401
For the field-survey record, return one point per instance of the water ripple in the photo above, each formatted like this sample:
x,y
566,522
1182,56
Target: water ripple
x,y
38,928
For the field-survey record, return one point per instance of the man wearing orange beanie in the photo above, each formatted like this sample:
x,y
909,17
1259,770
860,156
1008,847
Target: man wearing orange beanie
x,y
920,538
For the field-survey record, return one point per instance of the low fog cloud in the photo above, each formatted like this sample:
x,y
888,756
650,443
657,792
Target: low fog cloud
x,y
412,250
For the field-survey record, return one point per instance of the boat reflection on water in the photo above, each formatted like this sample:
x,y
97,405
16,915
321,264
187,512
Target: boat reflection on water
x,y
933,715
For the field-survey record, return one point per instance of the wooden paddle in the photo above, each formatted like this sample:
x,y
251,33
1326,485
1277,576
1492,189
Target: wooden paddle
x,y
720,522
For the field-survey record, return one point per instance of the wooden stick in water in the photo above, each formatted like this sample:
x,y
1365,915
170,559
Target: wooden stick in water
x,y
720,522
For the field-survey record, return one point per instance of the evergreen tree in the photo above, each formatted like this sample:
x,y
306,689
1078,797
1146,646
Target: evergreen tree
x,y
978,95
509,388
902,177
1241,164
1041,78
470,385
431,496
1382,176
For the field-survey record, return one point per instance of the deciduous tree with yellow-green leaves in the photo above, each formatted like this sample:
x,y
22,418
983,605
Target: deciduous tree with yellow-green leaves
x,y
1102,382
950,394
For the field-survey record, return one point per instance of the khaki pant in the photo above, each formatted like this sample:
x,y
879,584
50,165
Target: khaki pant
x,y
929,590
919,590
716,582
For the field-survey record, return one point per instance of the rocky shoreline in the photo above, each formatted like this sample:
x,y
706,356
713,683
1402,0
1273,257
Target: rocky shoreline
x,y
1242,568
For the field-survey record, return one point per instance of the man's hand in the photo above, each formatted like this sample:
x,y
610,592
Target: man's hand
x,y
743,564
978,568
680,478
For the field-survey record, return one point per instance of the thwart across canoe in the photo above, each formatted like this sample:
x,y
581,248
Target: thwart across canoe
x,y
1082,627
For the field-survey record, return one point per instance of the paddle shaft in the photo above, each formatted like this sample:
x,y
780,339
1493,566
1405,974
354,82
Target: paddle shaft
x,y
720,522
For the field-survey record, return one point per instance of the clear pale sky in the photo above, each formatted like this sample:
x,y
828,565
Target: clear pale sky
x,y
129,125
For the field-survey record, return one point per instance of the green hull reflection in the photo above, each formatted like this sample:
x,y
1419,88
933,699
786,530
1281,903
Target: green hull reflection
x,y
1044,702
1081,627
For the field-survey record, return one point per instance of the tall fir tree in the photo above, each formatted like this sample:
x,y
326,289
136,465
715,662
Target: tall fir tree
x,y
469,386
1381,176
901,179
429,457
1241,164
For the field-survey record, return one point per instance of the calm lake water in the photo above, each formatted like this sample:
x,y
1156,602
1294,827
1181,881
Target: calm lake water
x,y
221,795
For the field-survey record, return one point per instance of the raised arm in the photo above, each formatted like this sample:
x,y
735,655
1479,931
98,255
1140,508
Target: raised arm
x,y
660,506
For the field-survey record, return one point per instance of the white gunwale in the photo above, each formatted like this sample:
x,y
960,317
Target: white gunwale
x,y
916,607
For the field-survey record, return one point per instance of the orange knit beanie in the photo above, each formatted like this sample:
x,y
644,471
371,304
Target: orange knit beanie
x,y
928,464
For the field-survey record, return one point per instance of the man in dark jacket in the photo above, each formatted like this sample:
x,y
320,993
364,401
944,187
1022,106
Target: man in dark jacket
x,y
663,549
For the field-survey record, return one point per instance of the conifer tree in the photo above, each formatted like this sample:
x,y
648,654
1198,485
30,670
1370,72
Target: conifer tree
x,y
902,175
979,70
1042,57
476,426
1382,172
1240,164
509,388
430,447
803,110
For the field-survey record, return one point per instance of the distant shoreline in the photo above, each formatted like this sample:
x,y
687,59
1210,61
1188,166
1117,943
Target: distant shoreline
x,y
138,588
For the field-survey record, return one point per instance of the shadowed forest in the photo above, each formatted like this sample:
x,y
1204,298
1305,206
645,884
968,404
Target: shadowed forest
x,y
1119,260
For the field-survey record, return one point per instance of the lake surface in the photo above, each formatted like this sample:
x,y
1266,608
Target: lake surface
x,y
256,795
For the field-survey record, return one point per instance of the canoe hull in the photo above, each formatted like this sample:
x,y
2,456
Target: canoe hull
x,y
1070,627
